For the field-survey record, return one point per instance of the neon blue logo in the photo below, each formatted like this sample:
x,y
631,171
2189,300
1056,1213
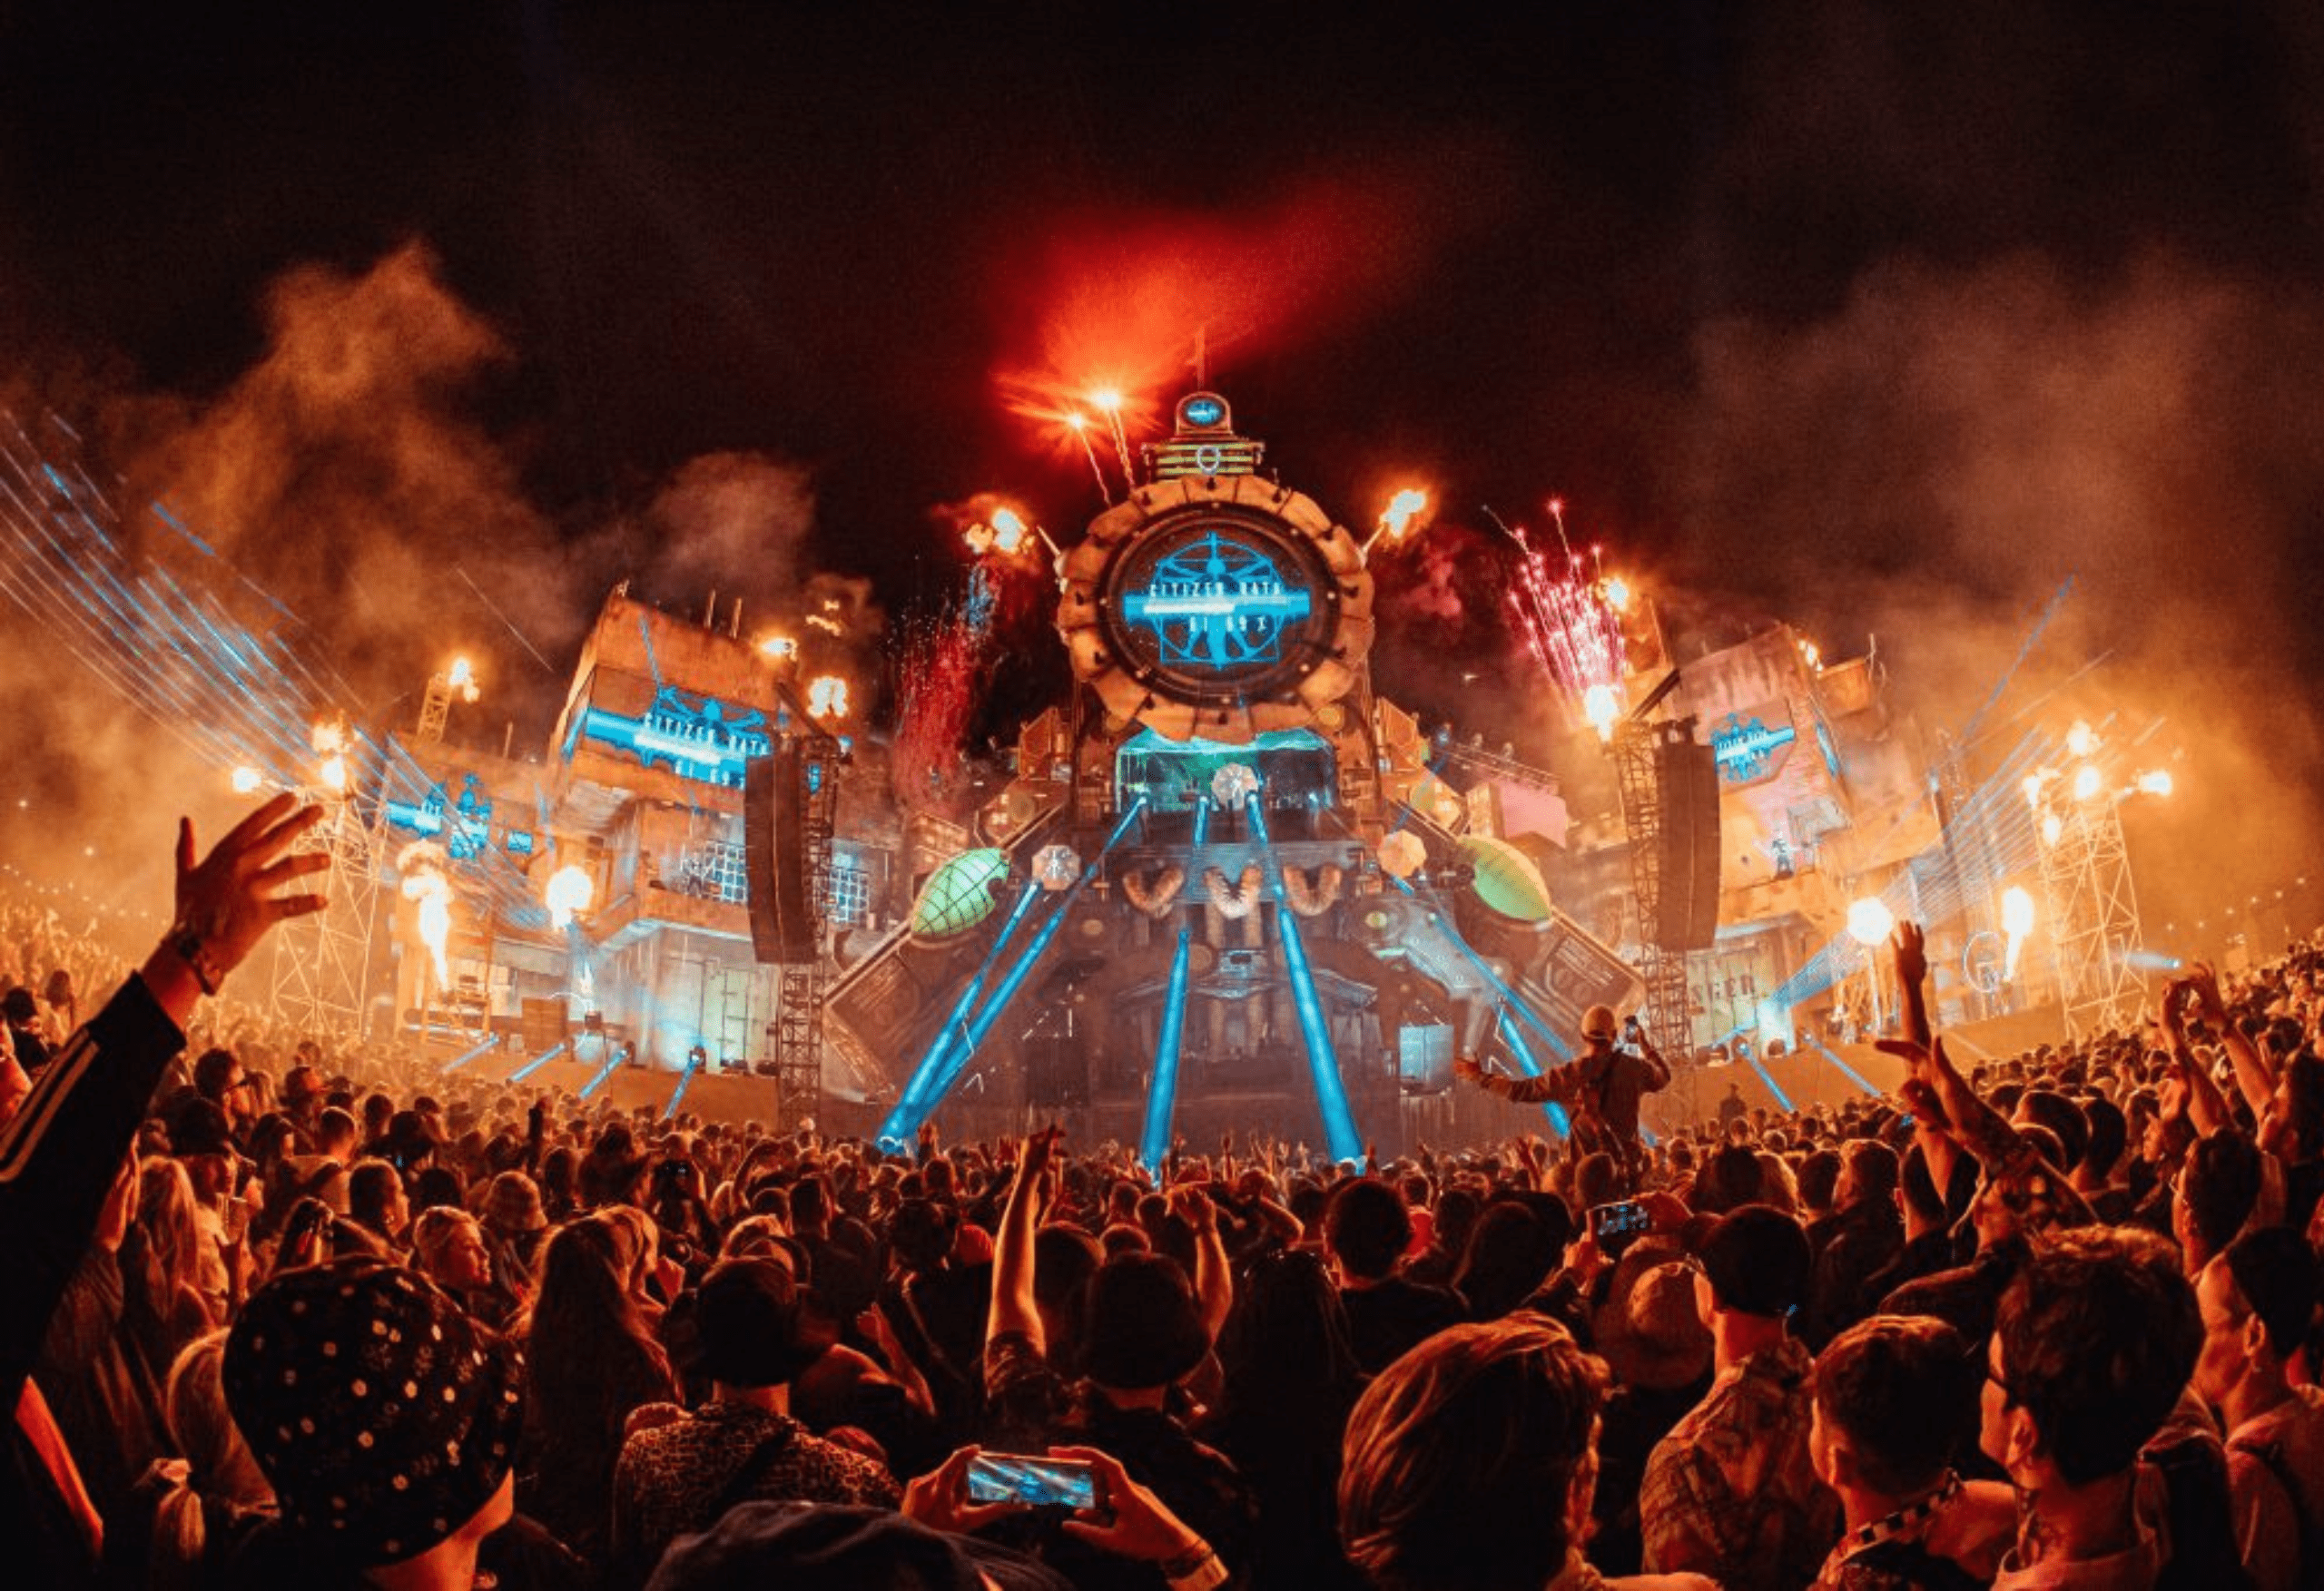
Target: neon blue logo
x,y
1205,411
1745,749
1216,605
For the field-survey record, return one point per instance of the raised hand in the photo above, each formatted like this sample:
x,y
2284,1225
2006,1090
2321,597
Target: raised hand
x,y
1912,953
228,899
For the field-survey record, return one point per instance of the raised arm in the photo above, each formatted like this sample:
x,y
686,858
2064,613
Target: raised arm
x,y
59,1152
1912,979
2253,1075
1013,1306
1214,1279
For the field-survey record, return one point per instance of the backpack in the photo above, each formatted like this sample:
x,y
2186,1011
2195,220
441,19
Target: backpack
x,y
2202,1537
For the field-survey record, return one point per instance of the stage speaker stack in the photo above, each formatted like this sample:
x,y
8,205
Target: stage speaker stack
x,y
1687,774
783,930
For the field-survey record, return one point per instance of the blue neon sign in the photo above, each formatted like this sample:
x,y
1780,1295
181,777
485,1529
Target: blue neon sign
x,y
1745,749
1216,605
696,737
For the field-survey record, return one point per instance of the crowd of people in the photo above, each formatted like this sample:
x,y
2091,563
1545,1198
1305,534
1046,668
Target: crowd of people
x,y
290,1310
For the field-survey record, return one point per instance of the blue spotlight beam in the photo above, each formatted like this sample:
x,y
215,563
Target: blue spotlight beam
x,y
679,1093
905,1116
1511,1000
1322,1064
456,1062
903,1125
613,1060
1514,1038
1162,1095
1202,820
537,1062
1850,1073
1782,1100
175,644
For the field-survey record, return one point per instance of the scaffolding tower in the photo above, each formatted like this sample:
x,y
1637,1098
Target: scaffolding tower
x,y
2094,911
321,973
1637,779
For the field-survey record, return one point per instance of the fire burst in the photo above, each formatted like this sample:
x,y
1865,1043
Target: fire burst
x,y
1571,625
422,865
1396,519
827,697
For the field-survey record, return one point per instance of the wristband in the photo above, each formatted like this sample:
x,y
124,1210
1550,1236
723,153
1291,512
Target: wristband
x,y
185,943
1196,1570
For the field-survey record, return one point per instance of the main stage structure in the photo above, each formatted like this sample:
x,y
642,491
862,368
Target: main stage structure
x,y
1226,882
1225,887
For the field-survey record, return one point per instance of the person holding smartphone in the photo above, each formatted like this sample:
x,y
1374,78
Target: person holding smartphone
x,y
1602,1087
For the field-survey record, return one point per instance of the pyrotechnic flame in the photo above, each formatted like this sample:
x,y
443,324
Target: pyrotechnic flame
x,y
2155,782
2052,826
2033,788
334,772
462,679
2017,922
2081,740
1007,530
326,735
1601,704
2088,782
827,697
570,889
1105,398
425,885
828,625
1870,922
1396,518
1617,592
776,645
246,779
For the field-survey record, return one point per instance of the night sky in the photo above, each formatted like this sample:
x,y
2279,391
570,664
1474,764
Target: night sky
x,y
1881,320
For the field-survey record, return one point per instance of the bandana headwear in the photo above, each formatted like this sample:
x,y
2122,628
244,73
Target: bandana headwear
x,y
383,1417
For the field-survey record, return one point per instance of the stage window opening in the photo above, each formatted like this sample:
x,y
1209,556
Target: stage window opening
x,y
1296,768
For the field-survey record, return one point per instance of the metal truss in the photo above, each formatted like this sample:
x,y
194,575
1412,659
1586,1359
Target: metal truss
x,y
2093,913
321,973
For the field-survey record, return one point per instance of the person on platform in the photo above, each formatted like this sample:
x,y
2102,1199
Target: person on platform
x,y
1602,1087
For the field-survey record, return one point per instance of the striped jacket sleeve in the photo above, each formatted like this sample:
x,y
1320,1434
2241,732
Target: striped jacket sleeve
x,y
59,1154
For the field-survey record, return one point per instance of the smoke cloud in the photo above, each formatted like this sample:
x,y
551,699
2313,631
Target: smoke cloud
x,y
1932,461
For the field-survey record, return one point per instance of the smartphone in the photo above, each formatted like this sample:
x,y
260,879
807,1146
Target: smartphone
x,y
1615,1226
1019,1478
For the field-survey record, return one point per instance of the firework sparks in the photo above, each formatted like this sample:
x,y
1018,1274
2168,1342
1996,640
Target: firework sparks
x,y
1569,624
944,670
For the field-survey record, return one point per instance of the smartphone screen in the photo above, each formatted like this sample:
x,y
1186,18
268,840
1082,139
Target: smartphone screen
x,y
1016,1478
1616,1225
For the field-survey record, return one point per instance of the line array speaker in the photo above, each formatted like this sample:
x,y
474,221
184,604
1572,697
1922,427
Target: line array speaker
x,y
1688,914
783,930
